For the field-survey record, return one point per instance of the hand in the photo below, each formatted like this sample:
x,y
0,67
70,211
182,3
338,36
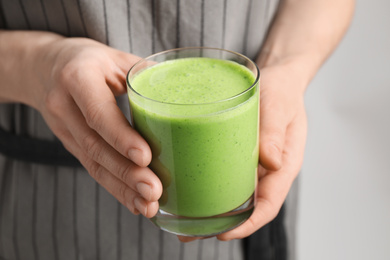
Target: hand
x,y
282,141
75,93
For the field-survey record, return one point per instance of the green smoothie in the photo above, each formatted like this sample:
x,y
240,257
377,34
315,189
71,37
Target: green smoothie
x,y
205,150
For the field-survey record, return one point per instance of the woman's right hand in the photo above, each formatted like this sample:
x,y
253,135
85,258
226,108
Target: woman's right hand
x,y
73,82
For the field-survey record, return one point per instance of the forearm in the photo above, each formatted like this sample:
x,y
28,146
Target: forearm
x,y
20,63
306,32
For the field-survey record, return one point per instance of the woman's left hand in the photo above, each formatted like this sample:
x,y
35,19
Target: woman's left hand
x,y
283,128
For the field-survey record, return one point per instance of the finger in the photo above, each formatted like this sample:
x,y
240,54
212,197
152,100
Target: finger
x,y
99,108
273,126
274,186
271,190
125,60
123,193
130,196
185,239
119,190
139,179
122,62
117,82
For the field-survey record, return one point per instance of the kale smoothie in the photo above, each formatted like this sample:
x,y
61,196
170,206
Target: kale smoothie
x,y
200,118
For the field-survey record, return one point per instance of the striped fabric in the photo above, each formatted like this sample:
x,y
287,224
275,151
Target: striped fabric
x,y
143,27
60,212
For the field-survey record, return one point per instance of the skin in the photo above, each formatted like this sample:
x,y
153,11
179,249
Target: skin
x,y
79,105
301,38
80,108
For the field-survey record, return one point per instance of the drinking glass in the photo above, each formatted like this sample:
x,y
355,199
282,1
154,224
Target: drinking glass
x,y
205,153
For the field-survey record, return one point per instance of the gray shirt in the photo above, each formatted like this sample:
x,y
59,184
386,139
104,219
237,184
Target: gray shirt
x,y
57,212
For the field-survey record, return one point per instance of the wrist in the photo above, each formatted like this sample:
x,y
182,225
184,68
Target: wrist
x,y
301,66
39,65
20,51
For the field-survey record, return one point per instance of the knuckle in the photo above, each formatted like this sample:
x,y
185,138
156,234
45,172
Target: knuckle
x,y
96,171
92,147
122,193
69,72
276,146
273,213
252,224
92,168
93,115
124,173
61,132
270,210
275,133
118,142
53,102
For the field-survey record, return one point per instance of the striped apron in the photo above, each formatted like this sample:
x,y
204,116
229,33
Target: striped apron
x,y
50,208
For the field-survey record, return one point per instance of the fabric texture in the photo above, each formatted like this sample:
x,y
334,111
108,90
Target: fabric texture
x,y
53,209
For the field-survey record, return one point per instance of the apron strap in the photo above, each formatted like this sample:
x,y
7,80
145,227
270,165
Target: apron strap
x,y
34,150
269,242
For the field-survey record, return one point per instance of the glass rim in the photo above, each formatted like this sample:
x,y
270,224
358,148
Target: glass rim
x,y
194,48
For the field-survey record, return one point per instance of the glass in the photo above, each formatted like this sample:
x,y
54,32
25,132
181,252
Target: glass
x,y
204,152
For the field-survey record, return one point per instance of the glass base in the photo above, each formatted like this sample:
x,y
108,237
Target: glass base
x,y
204,226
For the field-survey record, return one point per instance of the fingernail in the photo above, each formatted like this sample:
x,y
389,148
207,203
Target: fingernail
x,y
145,190
132,208
140,206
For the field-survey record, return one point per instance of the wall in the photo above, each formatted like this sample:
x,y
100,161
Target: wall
x,y
344,210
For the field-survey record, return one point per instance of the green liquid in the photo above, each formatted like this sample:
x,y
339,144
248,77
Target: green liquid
x,y
205,155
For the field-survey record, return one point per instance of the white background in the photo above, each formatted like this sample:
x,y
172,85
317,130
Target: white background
x,y
344,204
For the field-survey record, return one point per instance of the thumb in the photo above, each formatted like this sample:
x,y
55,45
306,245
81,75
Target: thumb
x,y
272,136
